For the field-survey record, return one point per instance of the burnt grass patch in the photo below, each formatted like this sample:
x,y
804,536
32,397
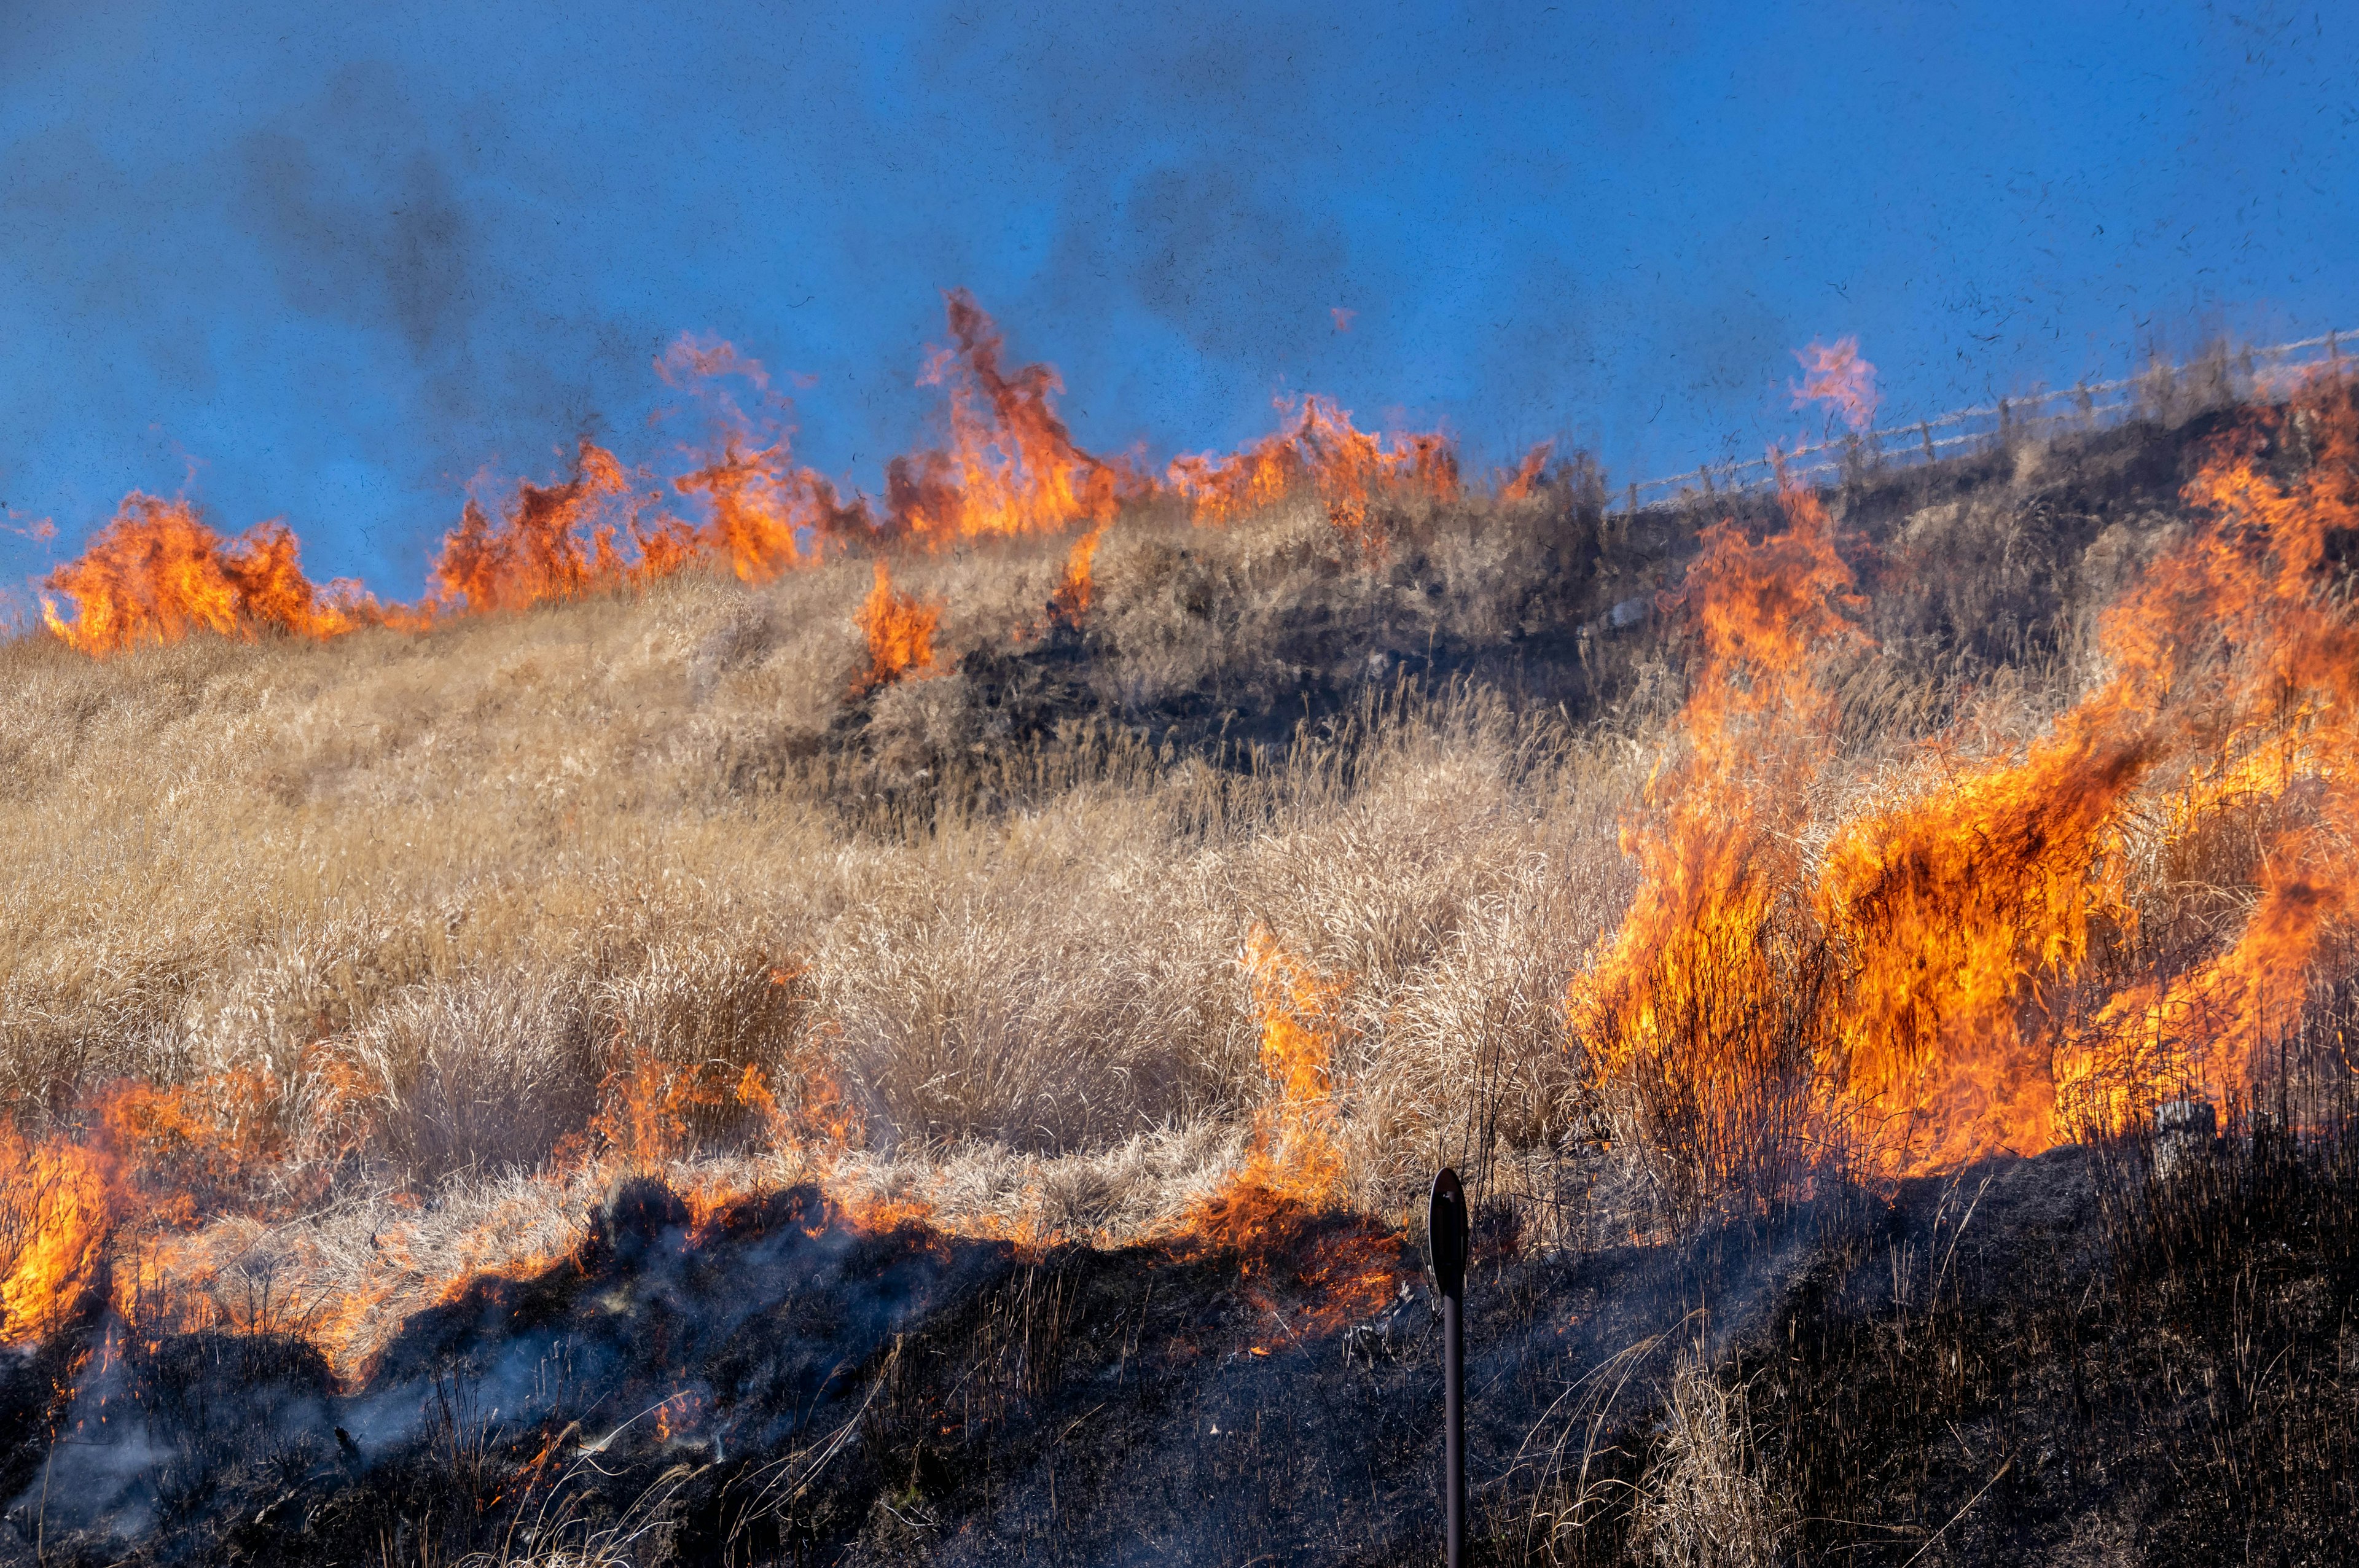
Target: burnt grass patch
x,y
1971,565
2067,1358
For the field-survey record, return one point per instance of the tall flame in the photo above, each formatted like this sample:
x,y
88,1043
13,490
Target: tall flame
x,y
1526,477
900,631
1949,975
1011,466
55,1211
556,542
1690,1024
1070,601
1297,1155
762,504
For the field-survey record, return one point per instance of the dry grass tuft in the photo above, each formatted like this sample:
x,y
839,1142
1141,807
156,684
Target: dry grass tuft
x,y
1704,1499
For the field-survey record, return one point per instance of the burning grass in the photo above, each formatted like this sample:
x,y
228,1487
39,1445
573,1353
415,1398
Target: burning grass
x,y
1145,896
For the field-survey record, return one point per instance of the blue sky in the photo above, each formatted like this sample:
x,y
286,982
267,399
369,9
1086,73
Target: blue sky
x,y
334,270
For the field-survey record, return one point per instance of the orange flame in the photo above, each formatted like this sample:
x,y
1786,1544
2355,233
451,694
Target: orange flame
x,y
55,1211
1526,477
156,573
761,503
1297,1157
1271,1210
1686,1013
1319,450
1913,985
1012,466
753,514
1070,601
557,542
900,631
1835,374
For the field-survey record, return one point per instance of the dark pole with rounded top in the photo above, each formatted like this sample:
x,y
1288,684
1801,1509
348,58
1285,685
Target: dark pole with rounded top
x,y
1446,1239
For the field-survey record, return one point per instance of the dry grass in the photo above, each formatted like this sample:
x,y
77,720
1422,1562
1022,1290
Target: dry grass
x,y
438,888
1704,1500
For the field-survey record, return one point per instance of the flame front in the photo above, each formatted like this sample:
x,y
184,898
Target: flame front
x,y
56,1212
1009,469
1296,1157
1964,955
1011,466
1526,477
1952,973
1070,601
900,631
1270,1210
1316,447
157,573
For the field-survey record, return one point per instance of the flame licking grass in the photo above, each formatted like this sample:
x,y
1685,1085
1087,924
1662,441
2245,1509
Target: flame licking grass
x,y
900,631
56,1211
1011,466
156,573
1698,1039
1526,477
1318,449
1296,1155
558,542
1955,971
1282,1212
1070,601
754,518
767,515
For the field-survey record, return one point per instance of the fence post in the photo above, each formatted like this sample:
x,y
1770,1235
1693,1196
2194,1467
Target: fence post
x,y
1446,1240
1925,431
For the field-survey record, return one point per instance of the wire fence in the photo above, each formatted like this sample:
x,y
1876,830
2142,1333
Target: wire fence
x,y
2164,390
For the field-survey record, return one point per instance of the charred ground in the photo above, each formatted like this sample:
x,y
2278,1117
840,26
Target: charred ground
x,y
2058,1359
1565,605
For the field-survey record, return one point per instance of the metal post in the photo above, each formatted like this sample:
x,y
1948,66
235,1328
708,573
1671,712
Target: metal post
x,y
1447,1242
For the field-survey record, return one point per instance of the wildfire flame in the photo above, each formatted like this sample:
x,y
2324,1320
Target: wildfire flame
x,y
1070,601
156,573
1011,466
1835,374
1318,448
1945,977
1270,1209
1938,968
56,1211
1297,1156
900,631
1526,477
558,542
